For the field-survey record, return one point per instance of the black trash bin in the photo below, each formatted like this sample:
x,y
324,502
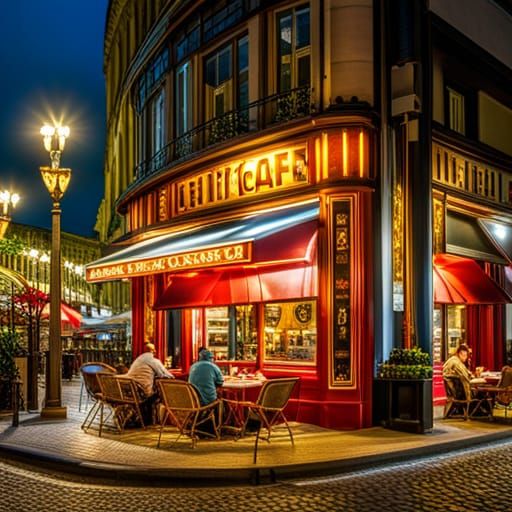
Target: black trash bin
x,y
68,363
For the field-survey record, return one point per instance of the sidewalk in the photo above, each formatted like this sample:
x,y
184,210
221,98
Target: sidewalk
x,y
133,454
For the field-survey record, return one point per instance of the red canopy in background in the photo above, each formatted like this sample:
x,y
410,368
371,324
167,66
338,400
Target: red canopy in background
x,y
239,286
67,314
462,281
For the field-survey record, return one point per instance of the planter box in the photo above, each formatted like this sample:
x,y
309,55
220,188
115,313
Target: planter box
x,y
404,404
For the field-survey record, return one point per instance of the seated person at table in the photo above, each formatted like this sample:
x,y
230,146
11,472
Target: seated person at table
x,y
146,368
206,376
455,366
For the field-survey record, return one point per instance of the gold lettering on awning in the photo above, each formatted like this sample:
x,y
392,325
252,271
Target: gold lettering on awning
x,y
217,256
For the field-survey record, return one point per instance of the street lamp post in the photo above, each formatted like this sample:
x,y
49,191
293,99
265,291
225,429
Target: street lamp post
x,y
8,201
56,180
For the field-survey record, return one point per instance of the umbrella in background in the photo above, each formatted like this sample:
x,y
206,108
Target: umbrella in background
x,y
67,314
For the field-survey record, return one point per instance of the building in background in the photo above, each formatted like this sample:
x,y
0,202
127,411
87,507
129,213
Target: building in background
x,y
26,250
302,186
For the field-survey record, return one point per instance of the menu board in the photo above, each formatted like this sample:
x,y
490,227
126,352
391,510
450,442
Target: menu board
x,y
341,371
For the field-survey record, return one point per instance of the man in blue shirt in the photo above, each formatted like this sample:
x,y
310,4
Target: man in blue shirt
x,y
206,377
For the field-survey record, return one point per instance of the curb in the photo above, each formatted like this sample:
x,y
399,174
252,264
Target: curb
x,y
150,476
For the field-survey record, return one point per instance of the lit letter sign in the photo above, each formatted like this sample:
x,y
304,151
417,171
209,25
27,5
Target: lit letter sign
x,y
218,256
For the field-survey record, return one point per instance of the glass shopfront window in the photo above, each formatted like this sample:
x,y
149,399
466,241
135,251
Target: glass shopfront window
x,y
456,328
290,332
231,333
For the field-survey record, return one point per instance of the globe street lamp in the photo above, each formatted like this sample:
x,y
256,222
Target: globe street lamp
x,y
56,180
8,201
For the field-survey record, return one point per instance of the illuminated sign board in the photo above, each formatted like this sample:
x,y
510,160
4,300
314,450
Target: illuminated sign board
x,y
216,256
236,180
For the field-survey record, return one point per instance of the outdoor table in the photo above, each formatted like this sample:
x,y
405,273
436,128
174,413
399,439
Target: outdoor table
x,y
491,377
234,389
488,392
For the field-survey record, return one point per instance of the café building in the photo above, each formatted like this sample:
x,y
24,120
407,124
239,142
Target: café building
x,y
266,263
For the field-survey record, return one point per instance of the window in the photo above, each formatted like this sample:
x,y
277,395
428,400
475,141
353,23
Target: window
x,y
294,48
227,80
183,97
243,72
158,116
290,332
189,41
218,83
456,111
231,333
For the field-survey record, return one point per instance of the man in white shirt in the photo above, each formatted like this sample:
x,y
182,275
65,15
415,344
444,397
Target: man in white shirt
x,y
146,368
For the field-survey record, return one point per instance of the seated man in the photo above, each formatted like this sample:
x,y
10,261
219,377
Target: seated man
x,y
455,366
205,375
143,371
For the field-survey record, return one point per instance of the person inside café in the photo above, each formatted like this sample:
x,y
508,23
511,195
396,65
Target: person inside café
x,y
206,376
146,368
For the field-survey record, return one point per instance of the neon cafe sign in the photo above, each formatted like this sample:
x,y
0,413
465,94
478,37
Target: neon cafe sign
x,y
236,180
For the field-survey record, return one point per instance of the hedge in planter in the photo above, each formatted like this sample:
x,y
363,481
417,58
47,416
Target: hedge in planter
x,y
406,363
10,348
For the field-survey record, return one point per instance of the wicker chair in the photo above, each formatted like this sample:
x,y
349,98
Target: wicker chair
x,y
504,396
182,406
121,395
460,403
268,409
89,373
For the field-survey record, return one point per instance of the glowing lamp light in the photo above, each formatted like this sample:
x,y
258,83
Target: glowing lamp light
x,y
500,232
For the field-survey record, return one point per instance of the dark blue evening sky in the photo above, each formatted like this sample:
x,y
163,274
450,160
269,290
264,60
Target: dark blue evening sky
x,y
51,59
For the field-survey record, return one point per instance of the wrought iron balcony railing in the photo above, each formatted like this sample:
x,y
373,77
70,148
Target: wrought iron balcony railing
x,y
258,115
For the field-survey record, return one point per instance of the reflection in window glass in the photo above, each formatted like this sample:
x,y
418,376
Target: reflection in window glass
x,y
437,338
246,347
456,328
290,331
302,34
231,333
217,332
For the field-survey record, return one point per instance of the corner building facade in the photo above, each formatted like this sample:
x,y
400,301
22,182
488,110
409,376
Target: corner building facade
x,y
254,149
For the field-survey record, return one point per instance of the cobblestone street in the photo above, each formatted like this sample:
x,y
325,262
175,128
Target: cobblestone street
x,y
462,481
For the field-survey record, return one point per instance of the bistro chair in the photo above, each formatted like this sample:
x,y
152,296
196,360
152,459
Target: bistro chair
x,y
121,395
182,406
89,374
460,403
504,396
268,409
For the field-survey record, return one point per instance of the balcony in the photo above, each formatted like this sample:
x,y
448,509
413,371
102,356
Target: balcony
x,y
261,114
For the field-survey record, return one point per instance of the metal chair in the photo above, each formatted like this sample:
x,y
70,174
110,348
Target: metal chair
x,y
268,410
460,403
182,406
89,375
122,396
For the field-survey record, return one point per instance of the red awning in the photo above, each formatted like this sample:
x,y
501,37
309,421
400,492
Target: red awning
x,y
239,286
67,315
283,267
461,281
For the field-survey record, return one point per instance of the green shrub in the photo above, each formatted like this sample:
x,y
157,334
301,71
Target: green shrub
x,y
406,363
10,347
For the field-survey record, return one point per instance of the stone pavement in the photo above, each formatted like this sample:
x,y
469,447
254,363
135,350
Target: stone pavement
x,y
133,454
471,480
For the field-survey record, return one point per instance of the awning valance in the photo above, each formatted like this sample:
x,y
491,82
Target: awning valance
x,y
461,281
272,237
465,237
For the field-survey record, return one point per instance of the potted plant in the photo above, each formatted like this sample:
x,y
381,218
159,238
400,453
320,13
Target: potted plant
x,y
404,385
10,348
